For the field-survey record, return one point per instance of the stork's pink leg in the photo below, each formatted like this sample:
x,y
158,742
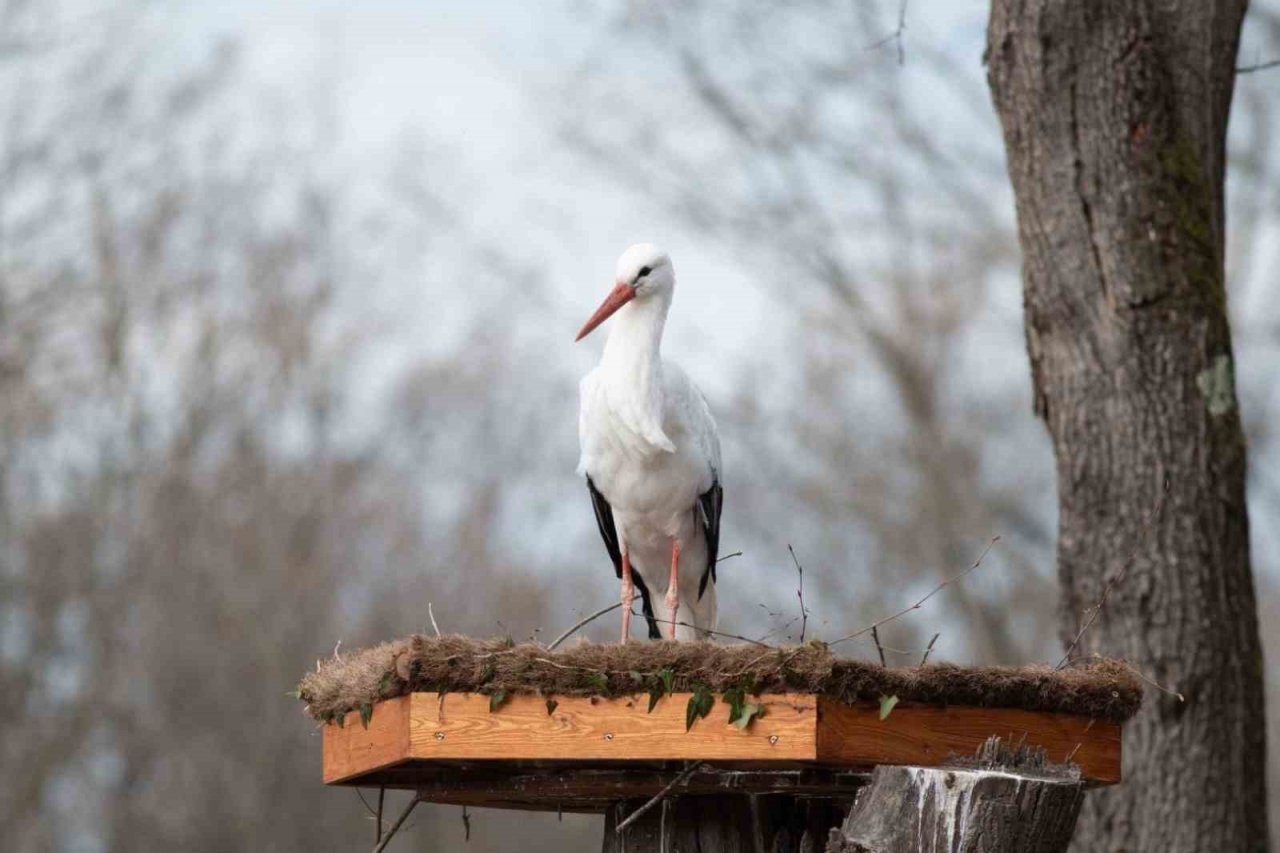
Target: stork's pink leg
x,y
673,588
628,595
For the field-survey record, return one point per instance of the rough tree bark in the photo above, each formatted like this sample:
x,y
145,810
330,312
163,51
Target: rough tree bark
x,y
1114,118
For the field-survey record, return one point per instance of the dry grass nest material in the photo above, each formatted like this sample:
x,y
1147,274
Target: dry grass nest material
x,y
1104,689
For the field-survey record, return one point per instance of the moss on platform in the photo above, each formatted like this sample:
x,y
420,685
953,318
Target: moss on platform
x,y
358,680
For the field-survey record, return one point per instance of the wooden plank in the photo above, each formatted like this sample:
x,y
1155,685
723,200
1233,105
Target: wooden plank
x,y
353,750
419,731
462,727
588,789
924,735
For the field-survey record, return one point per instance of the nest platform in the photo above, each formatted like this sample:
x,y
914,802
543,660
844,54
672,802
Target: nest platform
x,y
490,723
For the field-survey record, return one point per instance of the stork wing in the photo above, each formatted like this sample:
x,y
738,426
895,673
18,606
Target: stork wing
x,y
609,533
710,503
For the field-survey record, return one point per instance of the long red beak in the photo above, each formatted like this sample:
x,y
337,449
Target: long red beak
x,y
619,296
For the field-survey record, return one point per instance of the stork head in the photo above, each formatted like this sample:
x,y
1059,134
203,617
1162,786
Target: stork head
x,y
644,271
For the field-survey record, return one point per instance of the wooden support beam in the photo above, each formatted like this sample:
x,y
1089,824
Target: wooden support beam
x,y
734,823
1008,802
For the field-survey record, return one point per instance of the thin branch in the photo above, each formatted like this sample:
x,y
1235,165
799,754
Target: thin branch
x,y
367,807
466,824
1261,66
705,630
953,579
928,649
395,827
567,634
1144,536
658,797
432,614
1157,685
875,635
382,793
1153,683
729,556
896,35
804,613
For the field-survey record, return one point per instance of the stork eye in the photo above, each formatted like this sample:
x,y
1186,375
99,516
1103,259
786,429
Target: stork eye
x,y
644,271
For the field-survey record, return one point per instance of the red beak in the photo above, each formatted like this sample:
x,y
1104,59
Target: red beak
x,y
619,296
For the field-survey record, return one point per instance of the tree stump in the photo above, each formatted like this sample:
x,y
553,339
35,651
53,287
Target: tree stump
x,y
723,823
1003,802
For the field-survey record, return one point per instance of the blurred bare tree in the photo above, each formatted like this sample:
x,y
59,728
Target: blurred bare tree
x,y
194,497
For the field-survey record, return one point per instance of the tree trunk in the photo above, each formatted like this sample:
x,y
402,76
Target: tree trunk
x,y
723,823
908,809
1114,118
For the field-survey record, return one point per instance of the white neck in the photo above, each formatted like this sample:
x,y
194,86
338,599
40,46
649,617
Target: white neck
x,y
632,366
635,340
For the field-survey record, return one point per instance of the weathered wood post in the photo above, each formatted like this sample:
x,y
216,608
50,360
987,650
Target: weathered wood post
x,y
1004,801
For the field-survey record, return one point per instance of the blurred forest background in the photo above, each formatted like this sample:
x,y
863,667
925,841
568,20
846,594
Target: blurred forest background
x,y
279,366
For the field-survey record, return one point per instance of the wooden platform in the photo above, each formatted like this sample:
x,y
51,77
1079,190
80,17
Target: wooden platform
x,y
586,752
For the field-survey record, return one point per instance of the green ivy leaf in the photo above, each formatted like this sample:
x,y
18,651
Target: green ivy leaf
x,y
496,699
551,706
655,693
668,678
637,677
886,705
341,719
366,714
487,672
599,682
736,698
749,711
296,694
385,684
700,704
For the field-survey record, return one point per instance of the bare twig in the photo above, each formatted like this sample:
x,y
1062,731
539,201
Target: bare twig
x,y
432,614
567,634
466,824
1144,535
896,35
928,649
804,612
729,556
1261,66
706,630
1157,685
382,793
395,827
875,635
682,777
904,611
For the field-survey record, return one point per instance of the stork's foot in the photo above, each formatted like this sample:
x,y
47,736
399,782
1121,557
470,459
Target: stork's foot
x,y
673,586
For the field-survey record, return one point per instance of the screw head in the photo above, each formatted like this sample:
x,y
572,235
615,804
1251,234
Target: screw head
x,y
439,735
773,740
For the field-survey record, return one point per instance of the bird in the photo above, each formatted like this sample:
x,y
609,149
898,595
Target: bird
x,y
650,452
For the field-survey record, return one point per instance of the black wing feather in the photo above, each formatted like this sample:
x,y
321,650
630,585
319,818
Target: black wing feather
x,y
609,533
710,503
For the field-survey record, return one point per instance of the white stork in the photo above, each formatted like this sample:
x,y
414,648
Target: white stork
x,y
651,456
